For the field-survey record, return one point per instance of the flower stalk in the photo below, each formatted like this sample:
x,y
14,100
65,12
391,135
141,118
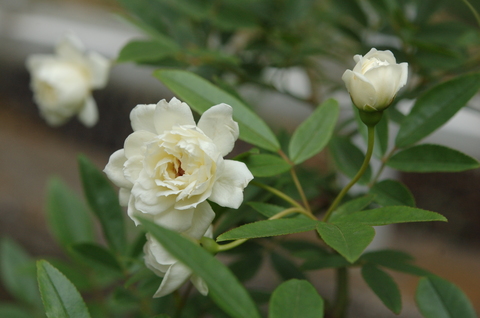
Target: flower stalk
x,y
363,168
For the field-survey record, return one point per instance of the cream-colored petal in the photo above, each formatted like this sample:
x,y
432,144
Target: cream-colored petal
x,y
132,168
88,114
124,196
361,90
199,284
70,47
99,67
175,220
147,199
141,118
386,80
135,144
171,114
202,218
382,56
133,212
217,123
175,277
228,189
34,62
114,169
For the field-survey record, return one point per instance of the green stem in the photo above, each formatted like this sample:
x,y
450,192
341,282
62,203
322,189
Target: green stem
x,y
341,297
297,183
475,13
382,167
363,168
290,211
277,193
279,215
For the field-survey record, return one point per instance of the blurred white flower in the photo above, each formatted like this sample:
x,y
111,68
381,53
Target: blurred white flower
x,y
63,83
375,80
170,166
174,273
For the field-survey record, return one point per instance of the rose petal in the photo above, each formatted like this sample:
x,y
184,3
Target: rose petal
x,y
175,277
386,80
202,218
159,254
175,220
361,90
172,113
132,168
124,196
217,123
199,284
228,189
70,47
99,68
141,118
147,200
114,169
88,115
135,144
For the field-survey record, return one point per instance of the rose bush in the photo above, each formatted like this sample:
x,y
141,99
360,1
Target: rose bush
x,y
63,83
170,166
375,80
174,273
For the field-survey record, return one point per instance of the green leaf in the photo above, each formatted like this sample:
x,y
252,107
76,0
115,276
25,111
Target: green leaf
x,y
436,107
201,95
68,217
383,286
348,158
263,165
103,200
387,256
9,310
97,254
381,133
147,51
223,287
16,276
285,267
268,228
348,239
393,214
232,15
432,158
438,298
266,209
396,260
321,261
60,298
352,206
314,133
392,192
296,299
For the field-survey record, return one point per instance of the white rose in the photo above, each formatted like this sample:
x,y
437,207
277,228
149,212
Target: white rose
x,y
174,273
170,166
63,83
375,80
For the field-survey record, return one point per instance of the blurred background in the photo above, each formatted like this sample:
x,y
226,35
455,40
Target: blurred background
x,y
439,39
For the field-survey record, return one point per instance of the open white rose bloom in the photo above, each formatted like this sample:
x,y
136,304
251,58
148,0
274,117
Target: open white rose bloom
x,y
375,80
174,273
170,166
63,83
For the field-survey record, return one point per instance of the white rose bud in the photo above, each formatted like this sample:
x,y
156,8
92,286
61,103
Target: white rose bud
x,y
170,166
375,80
63,83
